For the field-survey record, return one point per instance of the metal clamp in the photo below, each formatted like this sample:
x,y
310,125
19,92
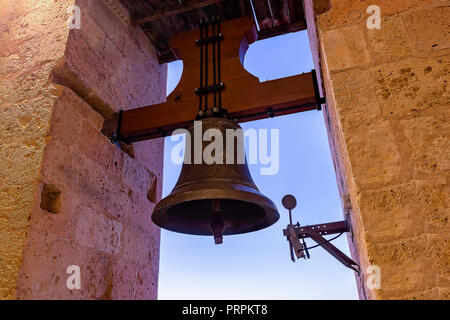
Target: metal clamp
x,y
296,235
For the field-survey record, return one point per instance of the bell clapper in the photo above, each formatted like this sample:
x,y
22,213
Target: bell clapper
x,y
217,225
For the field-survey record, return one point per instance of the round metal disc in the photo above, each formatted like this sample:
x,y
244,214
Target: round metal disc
x,y
289,202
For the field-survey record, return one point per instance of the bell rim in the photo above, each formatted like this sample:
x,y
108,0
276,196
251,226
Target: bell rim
x,y
271,214
241,189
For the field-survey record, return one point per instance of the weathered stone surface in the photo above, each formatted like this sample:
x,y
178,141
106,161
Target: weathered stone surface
x,y
97,231
356,98
393,215
122,57
434,37
429,138
413,86
387,118
51,135
373,154
390,42
347,12
345,48
27,55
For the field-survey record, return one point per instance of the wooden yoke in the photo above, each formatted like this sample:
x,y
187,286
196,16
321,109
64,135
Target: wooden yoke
x,y
244,97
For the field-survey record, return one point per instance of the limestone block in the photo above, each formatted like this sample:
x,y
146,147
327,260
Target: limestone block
x,y
399,196
436,35
436,293
137,211
374,156
63,224
6,11
107,20
123,281
355,98
429,138
94,186
345,47
137,245
387,116
146,285
57,168
96,147
96,205
66,126
412,87
10,258
96,275
97,231
45,276
411,285
32,35
390,42
140,284
390,214
425,251
76,104
347,12
126,76
136,176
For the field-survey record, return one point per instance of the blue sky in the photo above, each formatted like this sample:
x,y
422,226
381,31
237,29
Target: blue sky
x,y
257,265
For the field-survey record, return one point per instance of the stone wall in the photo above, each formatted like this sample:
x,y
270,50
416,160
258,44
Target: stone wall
x,y
68,195
388,122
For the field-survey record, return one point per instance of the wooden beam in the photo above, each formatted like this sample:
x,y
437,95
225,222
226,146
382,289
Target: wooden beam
x,y
158,14
244,97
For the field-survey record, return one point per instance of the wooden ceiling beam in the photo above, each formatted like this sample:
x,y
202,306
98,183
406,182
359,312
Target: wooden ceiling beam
x,y
182,9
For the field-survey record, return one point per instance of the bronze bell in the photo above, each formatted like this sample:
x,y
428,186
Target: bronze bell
x,y
215,199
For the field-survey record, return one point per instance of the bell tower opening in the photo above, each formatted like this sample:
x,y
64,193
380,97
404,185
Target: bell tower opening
x,y
85,107
257,265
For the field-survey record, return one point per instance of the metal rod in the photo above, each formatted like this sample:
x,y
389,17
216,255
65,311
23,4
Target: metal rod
x,y
206,65
219,80
319,100
119,123
335,252
271,13
201,64
214,60
254,16
322,229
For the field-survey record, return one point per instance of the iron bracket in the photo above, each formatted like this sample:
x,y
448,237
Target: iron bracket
x,y
319,100
117,137
212,39
208,89
296,234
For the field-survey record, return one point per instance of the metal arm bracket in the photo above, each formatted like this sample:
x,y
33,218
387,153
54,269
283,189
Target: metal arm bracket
x,y
296,234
